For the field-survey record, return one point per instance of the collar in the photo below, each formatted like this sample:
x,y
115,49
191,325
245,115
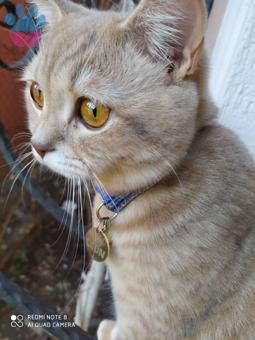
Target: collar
x,y
118,203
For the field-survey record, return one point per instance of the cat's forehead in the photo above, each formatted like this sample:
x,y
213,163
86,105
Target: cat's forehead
x,y
93,56
76,43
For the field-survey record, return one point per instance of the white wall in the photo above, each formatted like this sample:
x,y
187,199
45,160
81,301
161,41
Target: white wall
x,y
232,80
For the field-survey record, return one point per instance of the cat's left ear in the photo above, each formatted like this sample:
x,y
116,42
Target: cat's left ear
x,y
55,10
170,31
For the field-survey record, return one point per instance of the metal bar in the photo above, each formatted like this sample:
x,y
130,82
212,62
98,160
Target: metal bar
x,y
25,305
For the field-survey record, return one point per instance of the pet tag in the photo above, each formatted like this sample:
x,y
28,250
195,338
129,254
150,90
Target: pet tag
x,y
98,242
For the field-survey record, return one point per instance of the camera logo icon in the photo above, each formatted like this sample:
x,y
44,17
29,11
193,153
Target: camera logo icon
x,y
17,321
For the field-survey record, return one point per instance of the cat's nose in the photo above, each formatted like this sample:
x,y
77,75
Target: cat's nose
x,y
42,149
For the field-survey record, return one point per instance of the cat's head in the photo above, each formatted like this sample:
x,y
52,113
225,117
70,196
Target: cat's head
x,y
114,94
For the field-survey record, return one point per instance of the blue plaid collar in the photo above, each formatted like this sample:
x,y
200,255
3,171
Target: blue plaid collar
x,y
117,203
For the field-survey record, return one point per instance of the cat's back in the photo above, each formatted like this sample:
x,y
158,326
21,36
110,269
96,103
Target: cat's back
x,y
220,175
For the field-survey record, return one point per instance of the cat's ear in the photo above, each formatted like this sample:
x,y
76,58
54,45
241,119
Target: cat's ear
x,y
55,10
170,31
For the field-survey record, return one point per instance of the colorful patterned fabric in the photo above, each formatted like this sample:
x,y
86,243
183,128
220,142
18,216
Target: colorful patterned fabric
x,y
26,27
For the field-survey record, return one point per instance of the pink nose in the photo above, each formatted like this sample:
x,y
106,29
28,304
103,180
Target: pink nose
x,y
42,149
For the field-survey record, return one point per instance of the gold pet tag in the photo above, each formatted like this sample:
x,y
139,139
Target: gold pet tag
x,y
98,243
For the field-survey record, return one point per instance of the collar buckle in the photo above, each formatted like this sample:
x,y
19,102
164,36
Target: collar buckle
x,y
104,218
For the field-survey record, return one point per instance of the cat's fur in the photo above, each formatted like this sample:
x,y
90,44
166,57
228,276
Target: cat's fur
x,y
183,254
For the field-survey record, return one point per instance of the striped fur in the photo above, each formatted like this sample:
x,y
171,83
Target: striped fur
x,y
183,254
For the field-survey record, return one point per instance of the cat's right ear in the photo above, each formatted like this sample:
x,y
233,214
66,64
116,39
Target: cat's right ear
x,y
55,10
170,31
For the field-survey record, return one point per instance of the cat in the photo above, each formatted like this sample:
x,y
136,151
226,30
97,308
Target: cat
x,y
122,98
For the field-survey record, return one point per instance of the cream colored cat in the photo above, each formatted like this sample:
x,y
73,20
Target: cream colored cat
x,y
122,98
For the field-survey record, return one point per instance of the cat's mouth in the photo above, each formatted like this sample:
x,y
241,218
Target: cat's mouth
x,y
61,164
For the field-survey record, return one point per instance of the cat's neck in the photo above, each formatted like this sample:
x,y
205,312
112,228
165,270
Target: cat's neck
x,y
125,180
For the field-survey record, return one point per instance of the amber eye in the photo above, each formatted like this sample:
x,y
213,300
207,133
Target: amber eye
x,y
37,95
93,115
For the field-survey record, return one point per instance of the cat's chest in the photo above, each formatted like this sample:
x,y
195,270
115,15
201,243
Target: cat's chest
x,y
143,279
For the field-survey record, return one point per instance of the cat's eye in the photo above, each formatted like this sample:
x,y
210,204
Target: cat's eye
x,y
37,95
94,115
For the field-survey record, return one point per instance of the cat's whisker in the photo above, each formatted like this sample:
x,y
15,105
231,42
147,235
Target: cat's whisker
x,y
66,211
68,199
28,175
175,173
66,214
64,189
11,164
70,234
83,231
77,237
61,227
22,147
16,163
80,208
170,237
27,133
15,180
24,167
89,197
19,159
20,135
167,162
71,222
101,185
91,207
80,200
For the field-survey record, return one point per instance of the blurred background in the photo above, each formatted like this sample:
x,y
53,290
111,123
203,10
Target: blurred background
x,y
32,242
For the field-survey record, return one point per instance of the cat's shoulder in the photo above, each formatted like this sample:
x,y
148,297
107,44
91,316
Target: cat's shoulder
x,y
219,155
219,141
